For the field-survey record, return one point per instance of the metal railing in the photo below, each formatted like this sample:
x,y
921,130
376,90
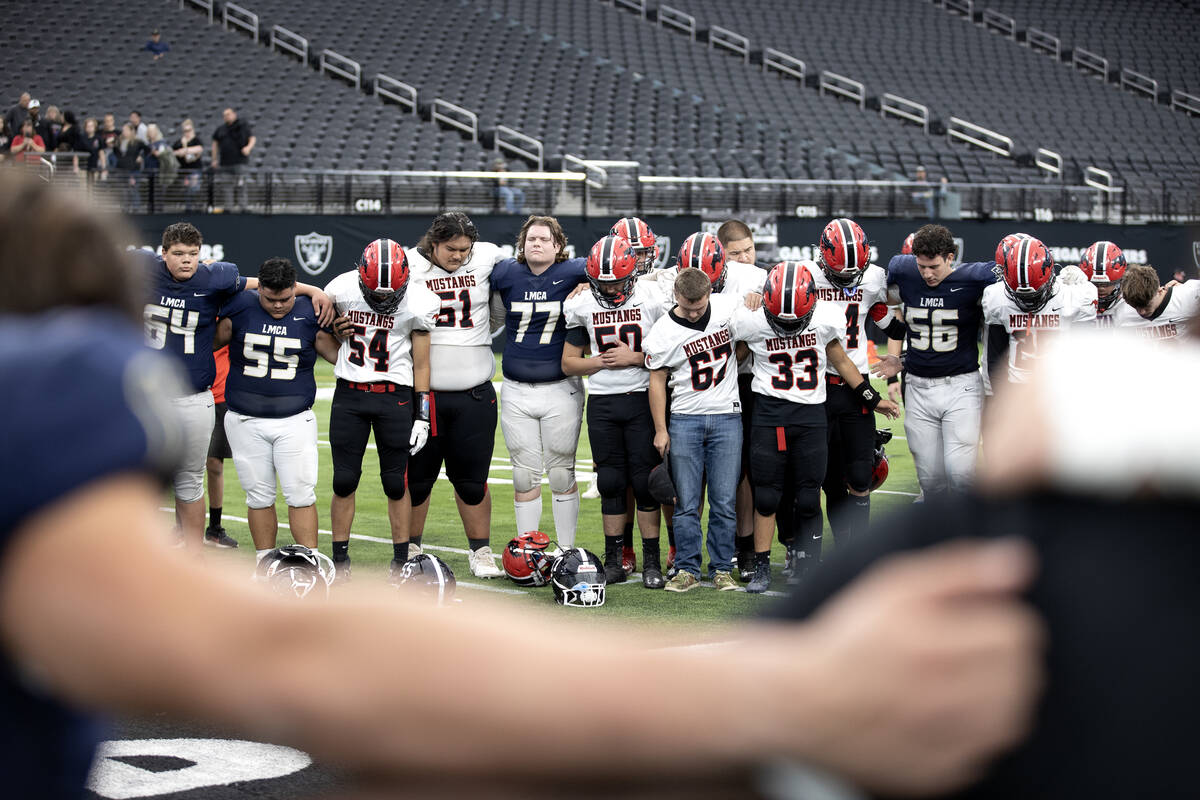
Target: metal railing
x,y
601,188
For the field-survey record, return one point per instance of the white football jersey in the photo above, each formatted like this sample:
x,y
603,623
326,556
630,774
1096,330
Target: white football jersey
x,y
702,363
1028,334
380,348
460,340
1181,304
630,323
855,306
790,368
740,280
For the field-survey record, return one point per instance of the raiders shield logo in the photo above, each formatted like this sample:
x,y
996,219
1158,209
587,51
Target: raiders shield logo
x,y
313,251
664,252
1196,253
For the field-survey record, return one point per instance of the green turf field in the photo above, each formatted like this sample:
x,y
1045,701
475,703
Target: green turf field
x,y
444,536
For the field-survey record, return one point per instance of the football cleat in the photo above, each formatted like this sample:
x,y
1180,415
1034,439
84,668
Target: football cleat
x,y
483,563
612,270
217,537
652,577
844,253
1028,270
745,566
628,560
526,559
383,275
761,579
789,297
704,252
577,577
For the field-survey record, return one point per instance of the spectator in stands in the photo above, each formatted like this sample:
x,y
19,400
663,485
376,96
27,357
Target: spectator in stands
x,y
156,46
50,127
139,128
68,134
160,160
189,154
127,159
5,140
232,142
17,114
924,195
513,197
109,133
27,146
90,142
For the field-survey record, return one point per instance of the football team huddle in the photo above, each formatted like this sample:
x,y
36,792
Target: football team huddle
x,y
712,377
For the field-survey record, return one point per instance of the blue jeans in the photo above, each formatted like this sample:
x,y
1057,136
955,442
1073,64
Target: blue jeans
x,y
705,445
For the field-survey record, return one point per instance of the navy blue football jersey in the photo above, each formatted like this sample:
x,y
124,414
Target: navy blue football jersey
x,y
181,317
270,360
86,401
534,326
943,321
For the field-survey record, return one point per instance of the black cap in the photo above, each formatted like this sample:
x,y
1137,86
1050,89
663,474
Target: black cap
x,y
662,488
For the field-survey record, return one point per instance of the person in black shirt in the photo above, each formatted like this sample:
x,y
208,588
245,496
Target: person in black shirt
x,y
232,143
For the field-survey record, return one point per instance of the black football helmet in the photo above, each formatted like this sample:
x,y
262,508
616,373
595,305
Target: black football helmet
x,y
296,571
578,578
428,576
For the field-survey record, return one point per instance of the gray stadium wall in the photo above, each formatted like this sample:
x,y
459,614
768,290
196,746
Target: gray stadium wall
x,y
326,245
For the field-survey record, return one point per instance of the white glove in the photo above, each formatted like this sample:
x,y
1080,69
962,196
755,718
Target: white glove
x,y
1072,275
420,435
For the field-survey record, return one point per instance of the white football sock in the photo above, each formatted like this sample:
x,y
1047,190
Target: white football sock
x,y
529,514
566,517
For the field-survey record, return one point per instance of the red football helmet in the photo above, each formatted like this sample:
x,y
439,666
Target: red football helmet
x,y
612,270
704,252
1104,264
844,253
1006,244
640,238
789,297
383,275
1028,274
906,248
526,561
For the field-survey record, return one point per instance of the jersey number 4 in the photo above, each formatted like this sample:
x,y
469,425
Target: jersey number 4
x,y
259,350
361,349
703,364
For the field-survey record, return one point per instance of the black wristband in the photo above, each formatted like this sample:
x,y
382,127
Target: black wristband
x,y
893,379
422,406
870,398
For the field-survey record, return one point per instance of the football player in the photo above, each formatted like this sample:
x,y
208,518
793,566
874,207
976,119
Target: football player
x,y
274,338
847,281
738,240
180,316
1030,306
218,451
611,321
691,348
795,338
541,408
641,239
943,391
382,373
1104,265
1161,313
123,627
451,262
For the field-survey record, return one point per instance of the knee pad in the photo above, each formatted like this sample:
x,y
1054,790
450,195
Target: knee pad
x,y
260,496
610,481
189,485
345,482
419,491
641,492
394,485
808,502
524,480
613,506
766,499
298,493
562,479
471,492
858,475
